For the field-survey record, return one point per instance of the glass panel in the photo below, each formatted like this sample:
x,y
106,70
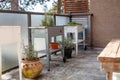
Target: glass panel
x,y
12,19
59,38
82,21
52,39
36,20
9,56
61,20
39,41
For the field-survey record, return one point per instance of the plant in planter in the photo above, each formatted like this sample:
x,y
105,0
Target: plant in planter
x,y
68,46
31,66
47,21
53,45
73,24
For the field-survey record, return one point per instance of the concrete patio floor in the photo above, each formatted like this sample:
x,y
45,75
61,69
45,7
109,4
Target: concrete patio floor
x,y
84,66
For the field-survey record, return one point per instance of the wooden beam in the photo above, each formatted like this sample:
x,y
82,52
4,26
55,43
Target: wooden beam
x,y
109,76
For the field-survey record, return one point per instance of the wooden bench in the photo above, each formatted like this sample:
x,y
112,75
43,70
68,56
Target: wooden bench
x,y
110,58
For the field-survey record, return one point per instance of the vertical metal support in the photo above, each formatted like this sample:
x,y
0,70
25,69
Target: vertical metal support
x,y
63,55
47,49
76,40
54,19
0,64
29,30
84,40
70,17
89,30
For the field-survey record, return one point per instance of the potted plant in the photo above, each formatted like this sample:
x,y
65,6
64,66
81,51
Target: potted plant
x,y
68,46
73,24
31,66
53,45
47,21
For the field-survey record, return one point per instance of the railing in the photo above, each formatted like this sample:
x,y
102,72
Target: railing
x,y
28,19
85,20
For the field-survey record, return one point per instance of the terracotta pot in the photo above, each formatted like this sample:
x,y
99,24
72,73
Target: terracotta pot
x,y
31,69
53,45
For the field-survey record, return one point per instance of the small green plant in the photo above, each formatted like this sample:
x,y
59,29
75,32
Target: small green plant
x,y
68,43
29,53
73,24
48,20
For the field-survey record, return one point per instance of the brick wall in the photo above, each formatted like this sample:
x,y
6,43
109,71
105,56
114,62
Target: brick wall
x,y
76,6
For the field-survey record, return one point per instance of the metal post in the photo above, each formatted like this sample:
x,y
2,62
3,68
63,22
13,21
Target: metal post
x,y
89,30
47,49
29,30
0,64
54,19
70,17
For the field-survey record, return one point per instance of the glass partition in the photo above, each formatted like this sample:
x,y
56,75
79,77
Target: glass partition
x,y
36,20
39,37
14,19
61,20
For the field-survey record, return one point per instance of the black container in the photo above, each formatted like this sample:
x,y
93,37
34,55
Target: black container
x,y
68,53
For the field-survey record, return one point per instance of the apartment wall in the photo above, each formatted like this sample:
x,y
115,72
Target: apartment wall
x,y
105,21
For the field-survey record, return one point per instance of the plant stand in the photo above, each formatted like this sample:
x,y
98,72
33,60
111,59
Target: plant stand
x,y
74,30
48,34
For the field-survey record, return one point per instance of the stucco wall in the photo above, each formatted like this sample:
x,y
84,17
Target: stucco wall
x,y
105,21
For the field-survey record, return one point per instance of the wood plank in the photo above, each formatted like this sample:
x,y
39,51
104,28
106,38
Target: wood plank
x,y
106,51
109,76
110,52
110,67
114,49
118,53
110,58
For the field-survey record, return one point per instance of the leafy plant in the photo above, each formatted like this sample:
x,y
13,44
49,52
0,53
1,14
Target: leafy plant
x,y
48,20
73,24
68,43
30,53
